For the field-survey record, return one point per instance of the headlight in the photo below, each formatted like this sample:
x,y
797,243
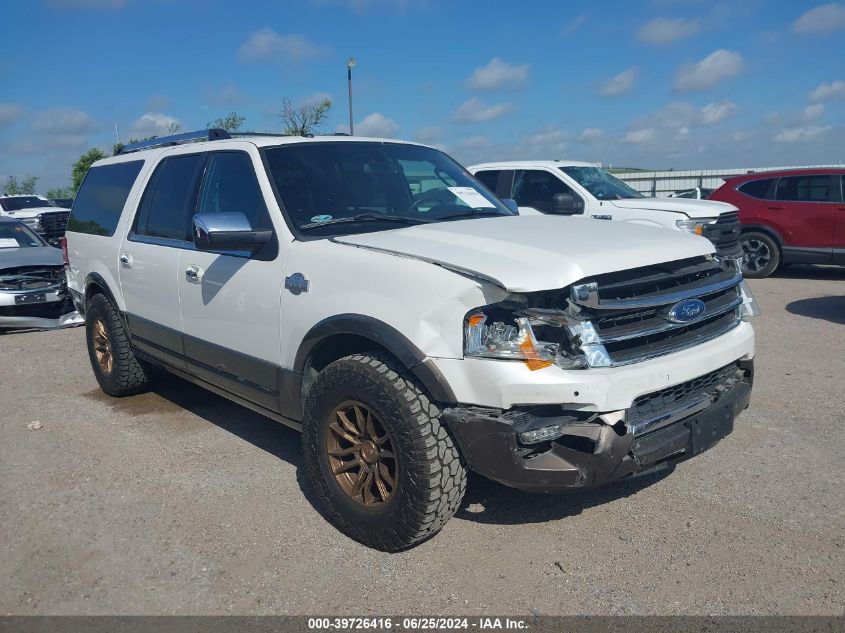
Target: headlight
x,y
694,226
33,223
749,308
520,335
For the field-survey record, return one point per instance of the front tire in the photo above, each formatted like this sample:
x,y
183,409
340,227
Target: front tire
x,y
118,372
760,255
383,469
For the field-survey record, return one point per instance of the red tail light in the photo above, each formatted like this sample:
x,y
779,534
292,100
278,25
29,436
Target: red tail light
x,y
64,251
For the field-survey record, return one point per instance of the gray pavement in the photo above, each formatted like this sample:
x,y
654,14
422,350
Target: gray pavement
x,y
179,502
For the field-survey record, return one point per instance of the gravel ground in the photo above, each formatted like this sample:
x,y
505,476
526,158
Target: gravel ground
x,y
179,502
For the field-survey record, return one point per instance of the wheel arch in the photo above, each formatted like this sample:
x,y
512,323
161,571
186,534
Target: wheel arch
x,y
345,334
758,228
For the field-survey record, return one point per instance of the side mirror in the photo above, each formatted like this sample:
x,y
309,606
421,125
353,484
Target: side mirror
x,y
511,204
227,232
566,204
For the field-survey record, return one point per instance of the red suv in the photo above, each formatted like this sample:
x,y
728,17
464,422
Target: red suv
x,y
792,216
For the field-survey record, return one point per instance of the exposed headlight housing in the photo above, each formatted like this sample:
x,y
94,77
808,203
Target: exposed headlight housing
x,y
749,308
34,223
540,338
695,226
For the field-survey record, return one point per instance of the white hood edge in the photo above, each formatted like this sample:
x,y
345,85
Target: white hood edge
x,y
689,207
533,253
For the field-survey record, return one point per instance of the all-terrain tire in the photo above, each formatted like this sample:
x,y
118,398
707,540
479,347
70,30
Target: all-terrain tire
x,y
431,477
761,255
128,375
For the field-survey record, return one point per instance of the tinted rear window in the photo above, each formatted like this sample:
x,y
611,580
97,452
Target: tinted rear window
x,y
101,197
805,189
759,189
489,178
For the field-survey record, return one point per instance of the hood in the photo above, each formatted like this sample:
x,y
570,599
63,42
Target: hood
x,y
692,208
30,256
537,252
31,211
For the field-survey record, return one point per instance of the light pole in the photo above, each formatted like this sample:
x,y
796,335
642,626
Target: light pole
x,y
350,64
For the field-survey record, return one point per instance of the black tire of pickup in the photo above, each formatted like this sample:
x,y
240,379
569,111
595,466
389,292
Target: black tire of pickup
x,y
430,476
127,375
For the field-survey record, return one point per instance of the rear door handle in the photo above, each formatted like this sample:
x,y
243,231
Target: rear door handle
x,y
193,274
126,260
775,207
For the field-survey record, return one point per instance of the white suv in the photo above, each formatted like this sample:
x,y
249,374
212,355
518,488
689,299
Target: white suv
x,y
374,295
584,190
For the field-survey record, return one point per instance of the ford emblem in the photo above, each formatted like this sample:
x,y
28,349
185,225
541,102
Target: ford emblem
x,y
686,311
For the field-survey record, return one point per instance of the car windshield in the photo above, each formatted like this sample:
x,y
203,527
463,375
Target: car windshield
x,y
343,187
16,235
601,184
23,202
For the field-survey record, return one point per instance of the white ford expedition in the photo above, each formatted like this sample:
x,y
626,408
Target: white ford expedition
x,y
374,295
584,190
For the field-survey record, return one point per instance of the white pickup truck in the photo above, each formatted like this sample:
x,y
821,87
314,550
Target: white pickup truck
x,y
584,190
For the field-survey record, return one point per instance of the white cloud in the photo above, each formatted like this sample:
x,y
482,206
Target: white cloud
x,y
590,135
499,74
821,20
376,124
61,121
662,31
801,133
813,111
429,134
154,124
620,84
9,113
474,110
268,45
704,74
825,92
718,111
575,23
646,135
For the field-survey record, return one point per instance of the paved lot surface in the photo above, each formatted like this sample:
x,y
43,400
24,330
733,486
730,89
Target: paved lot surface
x,y
180,502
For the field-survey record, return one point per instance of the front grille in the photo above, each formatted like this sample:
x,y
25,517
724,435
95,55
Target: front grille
x,y
54,221
655,410
626,316
724,233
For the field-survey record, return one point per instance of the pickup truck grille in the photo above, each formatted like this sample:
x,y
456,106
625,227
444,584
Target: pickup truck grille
x,y
625,317
54,222
724,233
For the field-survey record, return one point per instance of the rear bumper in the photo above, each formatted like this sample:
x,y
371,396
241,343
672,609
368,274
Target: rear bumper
x,y
591,452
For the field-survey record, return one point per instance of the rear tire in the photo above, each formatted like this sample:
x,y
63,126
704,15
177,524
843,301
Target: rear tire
x,y
115,366
760,255
383,469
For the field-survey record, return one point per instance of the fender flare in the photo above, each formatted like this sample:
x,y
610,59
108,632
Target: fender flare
x,y
762,228
384,335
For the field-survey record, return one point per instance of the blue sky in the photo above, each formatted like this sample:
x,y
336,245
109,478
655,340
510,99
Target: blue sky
x,y
650,83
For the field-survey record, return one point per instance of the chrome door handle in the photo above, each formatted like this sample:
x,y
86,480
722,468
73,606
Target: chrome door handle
x,y
193,274
126,260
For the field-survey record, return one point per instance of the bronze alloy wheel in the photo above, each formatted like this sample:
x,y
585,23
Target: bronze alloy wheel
x,y
102,347
361,454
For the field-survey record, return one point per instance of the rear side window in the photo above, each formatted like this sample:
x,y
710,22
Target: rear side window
x,y
805,189
535,188
168,203
490,178
760,189
101,198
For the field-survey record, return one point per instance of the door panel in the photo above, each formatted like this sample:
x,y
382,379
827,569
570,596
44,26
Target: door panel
x,y
803,211
839,241
231,301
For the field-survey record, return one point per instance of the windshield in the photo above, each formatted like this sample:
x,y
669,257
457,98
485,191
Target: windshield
x,y
333,188
601,184
16,235
24,202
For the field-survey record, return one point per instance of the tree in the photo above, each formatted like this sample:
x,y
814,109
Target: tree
x,y
305,119
80,167
172,128
60,192
232,122
14,188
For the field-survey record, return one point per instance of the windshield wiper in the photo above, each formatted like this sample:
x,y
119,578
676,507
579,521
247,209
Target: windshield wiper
x,y
474,212
365,217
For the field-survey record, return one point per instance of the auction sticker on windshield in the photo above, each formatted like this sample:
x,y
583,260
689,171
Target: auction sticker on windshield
x,y
471,197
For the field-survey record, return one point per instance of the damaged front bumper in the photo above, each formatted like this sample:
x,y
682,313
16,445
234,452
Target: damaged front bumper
x,y
42,309
664,427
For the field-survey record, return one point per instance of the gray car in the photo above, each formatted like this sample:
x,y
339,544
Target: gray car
x,y
33,292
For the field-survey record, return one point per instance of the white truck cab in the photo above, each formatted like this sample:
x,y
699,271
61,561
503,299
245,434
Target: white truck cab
x,y
585,190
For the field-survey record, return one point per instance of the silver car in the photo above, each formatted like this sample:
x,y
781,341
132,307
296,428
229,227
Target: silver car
x,y
33,292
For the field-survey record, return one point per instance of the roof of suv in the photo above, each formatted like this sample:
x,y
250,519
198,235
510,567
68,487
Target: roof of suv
x,y
759,175
522,164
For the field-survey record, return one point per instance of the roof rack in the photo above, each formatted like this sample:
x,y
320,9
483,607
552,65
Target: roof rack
x,y
212,134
